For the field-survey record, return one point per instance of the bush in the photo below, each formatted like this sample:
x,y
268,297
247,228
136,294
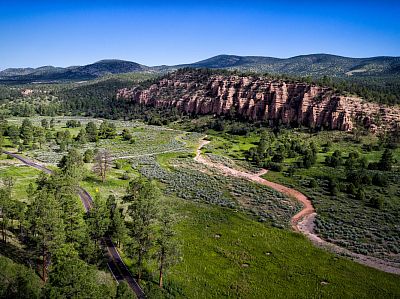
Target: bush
x,y
376,202
125,177
313,184
380,180
328,160
352,176
276,167
278,158
10,157
351,189
373,166
307,164
337,153
360,194
335,191
291,171
118,165
88,156
366,179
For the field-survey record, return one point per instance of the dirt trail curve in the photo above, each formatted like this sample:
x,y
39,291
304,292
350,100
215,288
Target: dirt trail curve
x,y
303,222
308,208
115,262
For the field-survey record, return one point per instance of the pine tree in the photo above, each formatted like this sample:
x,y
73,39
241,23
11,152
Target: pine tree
x,y
386,160
123,291
30,191
40,134
71,277
143,197
98,218
81,138
91,129
72,165
169,248
118,227
4,202
13,132
49,136
48,225
1,143
44,123
73,220
52,124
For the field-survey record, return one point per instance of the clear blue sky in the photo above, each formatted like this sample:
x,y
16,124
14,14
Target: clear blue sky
x,y
65,33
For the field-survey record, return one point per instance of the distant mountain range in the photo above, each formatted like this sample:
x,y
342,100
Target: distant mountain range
x,y
315,65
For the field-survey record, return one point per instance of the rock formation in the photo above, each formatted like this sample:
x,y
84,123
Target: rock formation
x,y
262,98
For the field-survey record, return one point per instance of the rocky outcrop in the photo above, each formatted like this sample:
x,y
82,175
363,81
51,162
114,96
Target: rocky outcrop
x,y
262,98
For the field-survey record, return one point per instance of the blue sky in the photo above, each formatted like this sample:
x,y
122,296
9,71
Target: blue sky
x,y
65,33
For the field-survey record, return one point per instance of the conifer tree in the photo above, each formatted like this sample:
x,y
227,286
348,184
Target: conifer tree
x,y
52,124
119,227
4,202
123,291
386,160
169,248
98,218
1,143
71,277
72,165
66,138
143,197
48,225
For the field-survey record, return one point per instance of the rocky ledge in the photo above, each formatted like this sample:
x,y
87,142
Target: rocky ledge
x,y
263,98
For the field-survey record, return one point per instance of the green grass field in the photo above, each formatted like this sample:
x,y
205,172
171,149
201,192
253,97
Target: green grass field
x,y
248,260
228,254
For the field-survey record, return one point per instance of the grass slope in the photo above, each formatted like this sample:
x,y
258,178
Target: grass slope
x,y
214,267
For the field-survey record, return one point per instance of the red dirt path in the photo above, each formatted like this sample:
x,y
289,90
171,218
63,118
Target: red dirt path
x,y
308,208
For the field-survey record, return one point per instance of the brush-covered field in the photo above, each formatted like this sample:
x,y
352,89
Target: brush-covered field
x,y
237,241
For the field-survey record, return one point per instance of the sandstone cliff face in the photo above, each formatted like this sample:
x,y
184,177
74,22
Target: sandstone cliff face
x,y
262,98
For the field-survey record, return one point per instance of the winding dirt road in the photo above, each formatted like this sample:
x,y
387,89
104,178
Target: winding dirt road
x,y
303,222
308,208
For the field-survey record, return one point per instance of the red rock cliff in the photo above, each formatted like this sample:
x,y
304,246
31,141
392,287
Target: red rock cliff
x,y
260,97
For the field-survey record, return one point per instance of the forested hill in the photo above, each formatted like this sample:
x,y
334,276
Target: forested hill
x,y
50,74
382,72
314,65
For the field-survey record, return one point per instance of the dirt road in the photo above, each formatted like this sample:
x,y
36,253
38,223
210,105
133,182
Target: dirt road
x,y
308,208
303,222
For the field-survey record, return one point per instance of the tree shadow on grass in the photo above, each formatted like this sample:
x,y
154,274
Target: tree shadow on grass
x,y
27,255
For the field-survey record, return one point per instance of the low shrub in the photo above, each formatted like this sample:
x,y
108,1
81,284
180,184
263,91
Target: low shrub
x,y
125,177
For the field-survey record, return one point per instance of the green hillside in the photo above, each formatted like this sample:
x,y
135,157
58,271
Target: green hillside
x,y
314,65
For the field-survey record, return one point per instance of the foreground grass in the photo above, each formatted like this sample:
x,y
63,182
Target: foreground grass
x,y
228,255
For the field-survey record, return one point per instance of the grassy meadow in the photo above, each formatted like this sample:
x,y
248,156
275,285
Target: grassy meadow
x,y
236,236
